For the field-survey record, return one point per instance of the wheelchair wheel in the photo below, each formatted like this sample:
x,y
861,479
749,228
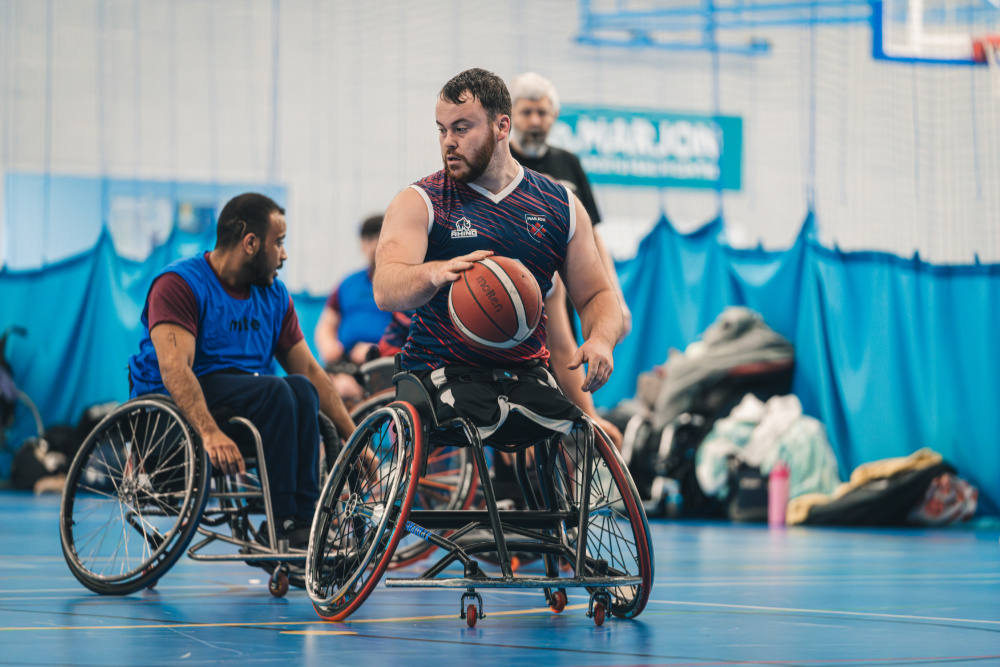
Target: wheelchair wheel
x,y
133,497
618,541
362,510
448,482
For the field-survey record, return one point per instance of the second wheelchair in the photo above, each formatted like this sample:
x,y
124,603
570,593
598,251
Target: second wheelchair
x,y
139,490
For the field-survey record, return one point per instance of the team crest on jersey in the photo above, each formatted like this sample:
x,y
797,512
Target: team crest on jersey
x,y
463,229
535,225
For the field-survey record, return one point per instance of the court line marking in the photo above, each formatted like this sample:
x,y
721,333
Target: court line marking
x,y
867,614
803,611
317,632
514,612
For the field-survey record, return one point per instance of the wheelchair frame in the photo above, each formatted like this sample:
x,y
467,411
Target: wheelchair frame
x,y
140,500
543,524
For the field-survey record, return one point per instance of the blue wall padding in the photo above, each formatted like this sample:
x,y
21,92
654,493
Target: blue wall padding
x,y
892,354
83,320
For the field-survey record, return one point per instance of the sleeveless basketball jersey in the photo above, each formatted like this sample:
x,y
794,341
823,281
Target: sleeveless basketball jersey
x,y
239,334
532,221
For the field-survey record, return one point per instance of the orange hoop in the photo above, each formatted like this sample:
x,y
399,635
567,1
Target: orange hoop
x,y
985,49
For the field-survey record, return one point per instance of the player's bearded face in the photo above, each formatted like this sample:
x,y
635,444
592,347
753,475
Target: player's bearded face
x,y
261,271
474,165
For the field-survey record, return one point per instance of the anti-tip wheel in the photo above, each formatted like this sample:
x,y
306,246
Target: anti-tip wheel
x,y
278,585
557,602
599,614
470,616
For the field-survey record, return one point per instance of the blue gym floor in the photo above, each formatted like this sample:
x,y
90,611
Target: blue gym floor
x,y
724,595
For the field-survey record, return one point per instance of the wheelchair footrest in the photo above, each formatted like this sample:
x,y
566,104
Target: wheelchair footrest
x,y
516,582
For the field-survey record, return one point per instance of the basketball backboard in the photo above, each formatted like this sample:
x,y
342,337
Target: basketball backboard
x,y
948,32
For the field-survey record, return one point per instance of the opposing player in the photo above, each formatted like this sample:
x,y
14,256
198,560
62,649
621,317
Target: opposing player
x,y
483,202
213,324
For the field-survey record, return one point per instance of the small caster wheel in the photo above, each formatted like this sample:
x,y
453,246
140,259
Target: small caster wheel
x,y
557,602
470,616
599,614
278,585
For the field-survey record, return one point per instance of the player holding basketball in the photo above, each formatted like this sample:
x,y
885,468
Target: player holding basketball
x,y
483,202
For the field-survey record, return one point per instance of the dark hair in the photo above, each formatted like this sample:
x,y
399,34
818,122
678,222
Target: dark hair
x,y
484,86
372,226
249,213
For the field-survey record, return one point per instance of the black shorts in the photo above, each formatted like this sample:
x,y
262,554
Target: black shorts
x,y
509,406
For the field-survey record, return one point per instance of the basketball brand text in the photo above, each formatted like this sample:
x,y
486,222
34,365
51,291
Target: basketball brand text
x,y
490,294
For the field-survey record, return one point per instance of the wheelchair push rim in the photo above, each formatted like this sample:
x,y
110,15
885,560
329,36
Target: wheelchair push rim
x,y
133,497
362,510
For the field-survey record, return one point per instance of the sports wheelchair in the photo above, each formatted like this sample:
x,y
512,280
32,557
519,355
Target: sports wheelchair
x,y
139,489
584,515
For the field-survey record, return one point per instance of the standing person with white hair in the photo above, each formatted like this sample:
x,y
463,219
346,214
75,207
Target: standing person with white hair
x,y
535,110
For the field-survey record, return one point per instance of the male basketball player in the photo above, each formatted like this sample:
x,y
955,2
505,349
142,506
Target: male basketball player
x,y
213,324
483,202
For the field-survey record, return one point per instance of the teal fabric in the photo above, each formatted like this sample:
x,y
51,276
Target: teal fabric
x,y
83,320
892,354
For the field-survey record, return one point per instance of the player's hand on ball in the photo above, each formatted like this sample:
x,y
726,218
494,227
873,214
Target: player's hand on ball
x,y
448,271
600,364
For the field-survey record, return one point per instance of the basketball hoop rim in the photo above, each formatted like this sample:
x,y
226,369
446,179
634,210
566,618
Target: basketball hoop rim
x,y
983,47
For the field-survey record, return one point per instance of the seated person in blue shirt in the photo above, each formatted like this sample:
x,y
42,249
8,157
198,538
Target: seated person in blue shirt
x,y
351,325
214,324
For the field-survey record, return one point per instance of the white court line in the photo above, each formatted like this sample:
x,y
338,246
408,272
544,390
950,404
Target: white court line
x,y
718,605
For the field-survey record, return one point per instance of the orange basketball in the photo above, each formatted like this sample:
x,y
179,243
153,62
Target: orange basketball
x,y
496,303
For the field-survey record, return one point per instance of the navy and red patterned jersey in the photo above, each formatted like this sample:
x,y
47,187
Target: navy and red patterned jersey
x,y
532,220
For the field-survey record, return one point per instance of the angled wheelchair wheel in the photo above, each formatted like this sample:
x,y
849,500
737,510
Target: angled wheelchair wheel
x,y
618,541
447,482
133,497
362,510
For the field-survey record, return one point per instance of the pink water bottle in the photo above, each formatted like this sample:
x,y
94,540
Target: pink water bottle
x,y
777,494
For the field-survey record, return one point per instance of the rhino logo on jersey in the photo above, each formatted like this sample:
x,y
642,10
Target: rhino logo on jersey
x,y
463,229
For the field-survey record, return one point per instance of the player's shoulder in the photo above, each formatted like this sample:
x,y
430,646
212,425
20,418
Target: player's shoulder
x,y
544,182
435,181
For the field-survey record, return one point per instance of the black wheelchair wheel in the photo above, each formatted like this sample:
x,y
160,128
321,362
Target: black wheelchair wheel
x,y
618,540
362,510
133,497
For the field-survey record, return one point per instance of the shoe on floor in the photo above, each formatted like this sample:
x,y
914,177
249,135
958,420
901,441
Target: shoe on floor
x,y
291,528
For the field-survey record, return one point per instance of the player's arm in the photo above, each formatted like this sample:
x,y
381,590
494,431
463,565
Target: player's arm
x,y
329,346
562,347
402,280
609,267
298,360
595,300
175,347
